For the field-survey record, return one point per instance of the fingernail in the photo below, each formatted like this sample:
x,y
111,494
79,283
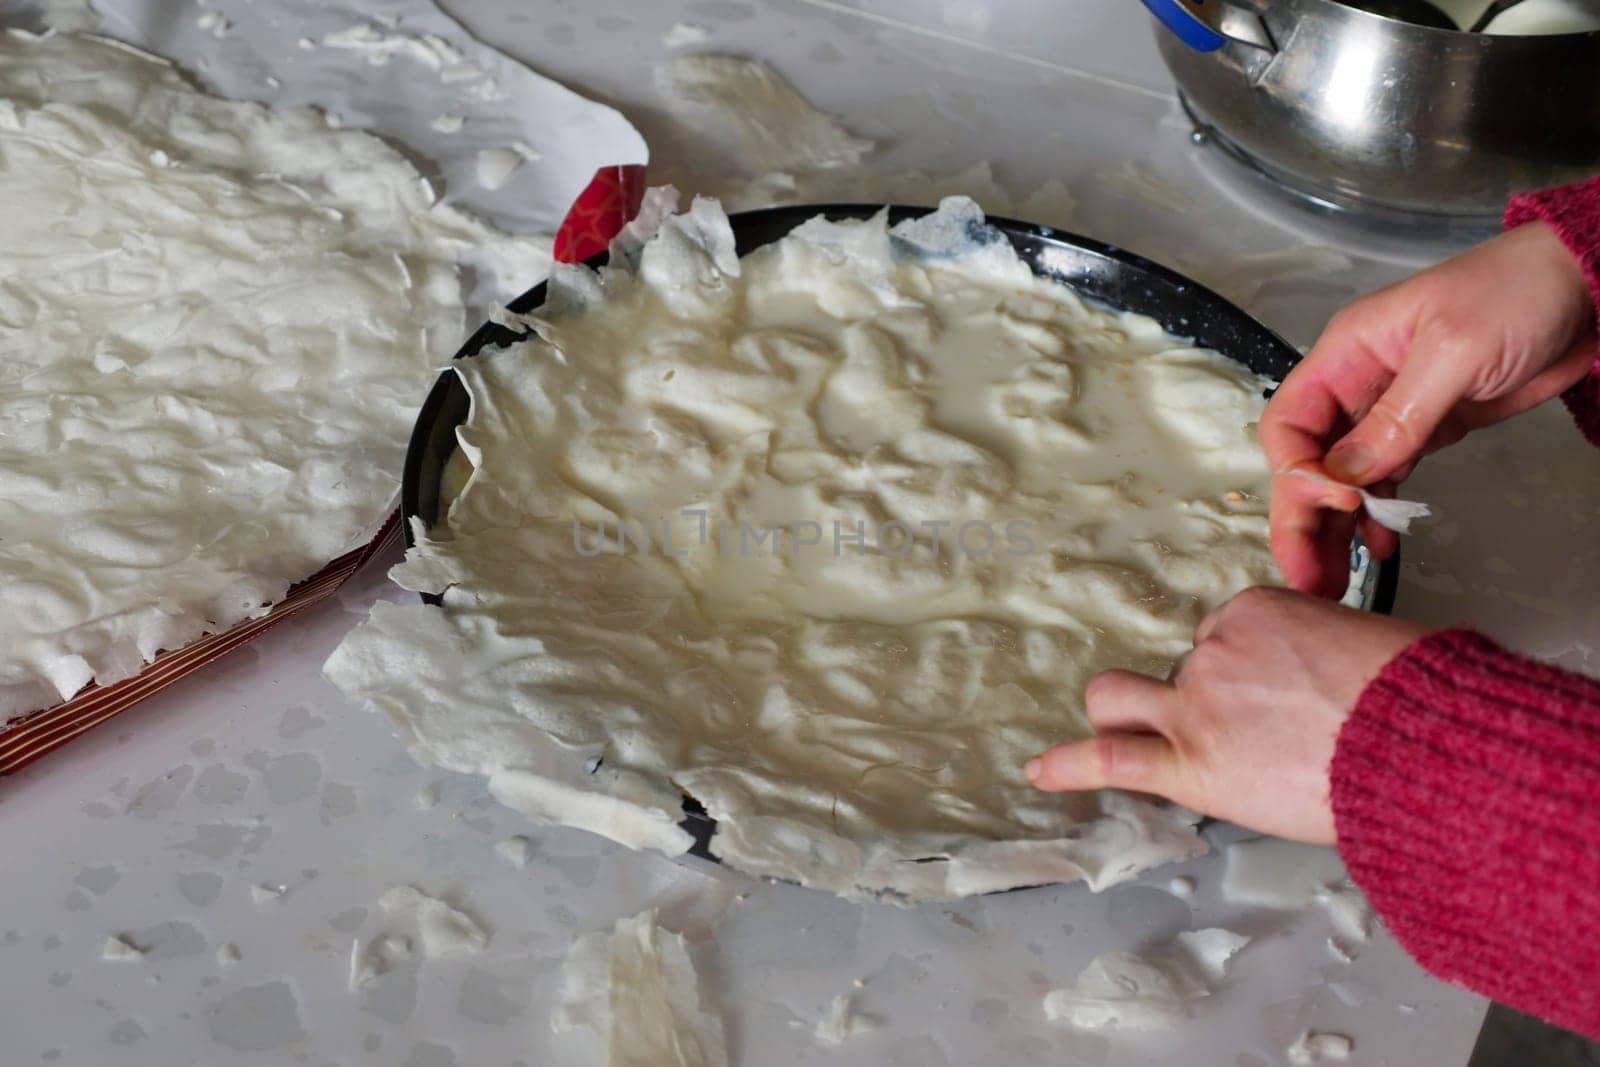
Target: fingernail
x,y
1351,461
1032,769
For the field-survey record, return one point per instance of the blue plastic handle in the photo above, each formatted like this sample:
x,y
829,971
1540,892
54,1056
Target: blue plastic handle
x,y
1178,18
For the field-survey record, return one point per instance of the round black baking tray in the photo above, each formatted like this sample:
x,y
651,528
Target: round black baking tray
x,y
1101,273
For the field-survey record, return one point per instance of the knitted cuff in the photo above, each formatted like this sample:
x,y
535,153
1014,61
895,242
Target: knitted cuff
x,y
1573,211
1466,795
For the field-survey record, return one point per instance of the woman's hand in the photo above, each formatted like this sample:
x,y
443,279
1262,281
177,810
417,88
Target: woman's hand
x,y
1410,369
1245,729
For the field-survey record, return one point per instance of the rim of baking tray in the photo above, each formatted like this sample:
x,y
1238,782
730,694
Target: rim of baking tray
x,y
1100,272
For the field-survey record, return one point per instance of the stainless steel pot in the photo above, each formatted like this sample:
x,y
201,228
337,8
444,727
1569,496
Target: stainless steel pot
x,y
1358,110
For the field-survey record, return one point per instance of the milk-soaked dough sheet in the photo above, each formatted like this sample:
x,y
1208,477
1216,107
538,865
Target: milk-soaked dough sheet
x,y
216,323
1080,488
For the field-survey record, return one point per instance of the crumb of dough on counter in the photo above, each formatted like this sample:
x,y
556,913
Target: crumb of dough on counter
x,y
515,850
842,1022
444,930
683,34
1318,1046
118,947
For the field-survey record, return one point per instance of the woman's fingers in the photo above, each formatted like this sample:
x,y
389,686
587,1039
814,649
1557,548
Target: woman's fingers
x,y
1381,541
1340,378
1124,700
1307,519
1333,547
1338,381
1144,763
1129,752
1437,374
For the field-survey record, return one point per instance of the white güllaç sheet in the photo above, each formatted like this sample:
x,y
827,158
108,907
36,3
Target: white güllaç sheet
x,y
219,321
402,69
843,714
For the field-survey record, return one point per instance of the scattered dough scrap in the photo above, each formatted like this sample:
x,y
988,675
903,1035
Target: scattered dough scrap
x,y
842,1022
262,895
444,930
1315,1046
1267,872
119,947
1270,873
1347,910
515,850
633,993
719,106
773,127
684,33
365,965
381,44
1133,992
376,957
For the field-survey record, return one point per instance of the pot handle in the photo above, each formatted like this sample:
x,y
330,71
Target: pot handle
x,y
1207,25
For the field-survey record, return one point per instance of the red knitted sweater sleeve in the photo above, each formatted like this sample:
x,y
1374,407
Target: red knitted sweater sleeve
x,y
1466,793
1573,211
1466,782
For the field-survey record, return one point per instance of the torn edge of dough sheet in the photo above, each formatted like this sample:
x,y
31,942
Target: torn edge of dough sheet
x,y
632,996
1396,515
1146,992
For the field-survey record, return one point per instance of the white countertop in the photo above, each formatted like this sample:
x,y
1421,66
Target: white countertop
x,y
255,771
